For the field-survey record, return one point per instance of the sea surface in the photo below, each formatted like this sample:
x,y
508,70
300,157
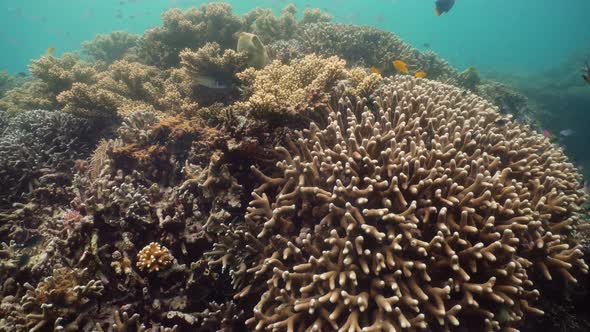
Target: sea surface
x,y
536,45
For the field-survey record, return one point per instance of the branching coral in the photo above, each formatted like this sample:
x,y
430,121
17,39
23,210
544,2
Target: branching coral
x,y
61,300
111,47
38,148
414,212
280,88
269,27
368,47
51,76
213,22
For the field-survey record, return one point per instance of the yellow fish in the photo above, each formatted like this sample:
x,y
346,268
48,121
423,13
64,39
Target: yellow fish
x,y
50,50
375,70
400,66
420,74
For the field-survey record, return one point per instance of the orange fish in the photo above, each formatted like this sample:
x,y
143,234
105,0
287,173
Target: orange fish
x,y
400,66
420,74
375,70
50,50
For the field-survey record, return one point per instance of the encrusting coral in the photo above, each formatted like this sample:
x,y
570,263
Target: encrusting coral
x,y
412,212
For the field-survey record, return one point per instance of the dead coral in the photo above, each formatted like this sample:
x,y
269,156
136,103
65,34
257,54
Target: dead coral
x,y
413,212
62,299
110,47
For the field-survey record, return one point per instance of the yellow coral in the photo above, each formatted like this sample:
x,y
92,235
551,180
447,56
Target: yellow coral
x,y
154,257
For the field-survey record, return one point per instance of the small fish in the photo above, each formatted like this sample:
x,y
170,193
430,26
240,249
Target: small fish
x,y
400,66
420,74
21,74
210,82
443,6
464,93
546,133
50,50
426,45
376,70
567,132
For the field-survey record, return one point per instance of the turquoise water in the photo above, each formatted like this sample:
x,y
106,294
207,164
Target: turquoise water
x,y
499,35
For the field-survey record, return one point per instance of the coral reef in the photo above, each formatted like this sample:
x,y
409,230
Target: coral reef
x,y
38,149
368,46
50,77
213,22
210,191
415,212
111,47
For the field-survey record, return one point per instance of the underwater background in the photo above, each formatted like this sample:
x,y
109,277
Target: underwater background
x,y
264,165
538,46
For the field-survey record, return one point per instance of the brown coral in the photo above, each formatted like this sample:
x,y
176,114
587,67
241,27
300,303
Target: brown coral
x,y
280,88
154,257
413,212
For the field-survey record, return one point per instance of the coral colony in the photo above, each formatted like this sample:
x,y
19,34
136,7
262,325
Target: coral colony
x,y
251,173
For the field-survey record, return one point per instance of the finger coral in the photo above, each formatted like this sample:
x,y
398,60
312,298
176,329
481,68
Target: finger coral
x,y
411,212
153,257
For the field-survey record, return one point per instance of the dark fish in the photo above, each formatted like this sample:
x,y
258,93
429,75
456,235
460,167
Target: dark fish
x,y
21,74
443,6
505,109
426,45
501,122
32,241
586,75
464,93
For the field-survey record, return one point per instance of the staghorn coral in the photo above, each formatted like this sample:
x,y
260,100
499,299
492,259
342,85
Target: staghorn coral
x,y
110,47
413,212
153,258
38,148
63,300
212,22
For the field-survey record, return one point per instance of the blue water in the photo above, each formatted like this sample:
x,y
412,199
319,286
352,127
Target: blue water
x,y
493,35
